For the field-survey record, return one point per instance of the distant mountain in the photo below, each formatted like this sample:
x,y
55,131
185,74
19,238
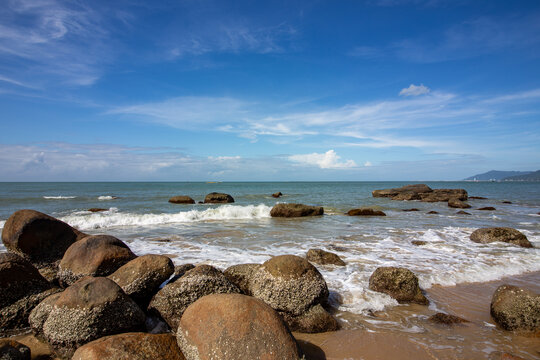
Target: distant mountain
x,y
497,175
533,176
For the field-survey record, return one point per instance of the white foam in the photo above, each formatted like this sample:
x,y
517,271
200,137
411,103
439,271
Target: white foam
x,y
113,218
106,197
59,197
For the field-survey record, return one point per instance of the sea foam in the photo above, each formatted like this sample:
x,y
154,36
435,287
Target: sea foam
x,y
59,197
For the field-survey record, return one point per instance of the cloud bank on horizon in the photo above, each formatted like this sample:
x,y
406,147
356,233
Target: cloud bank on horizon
x,y
210,90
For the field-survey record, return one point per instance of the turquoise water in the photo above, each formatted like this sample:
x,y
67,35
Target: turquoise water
x,y
224,235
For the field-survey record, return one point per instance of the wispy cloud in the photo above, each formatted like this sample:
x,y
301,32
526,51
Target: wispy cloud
x,y
327,160
414,90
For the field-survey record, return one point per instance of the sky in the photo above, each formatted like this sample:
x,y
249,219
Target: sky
x,y
189,90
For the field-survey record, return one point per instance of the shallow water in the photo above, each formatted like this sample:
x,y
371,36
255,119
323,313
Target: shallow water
x,y
224,235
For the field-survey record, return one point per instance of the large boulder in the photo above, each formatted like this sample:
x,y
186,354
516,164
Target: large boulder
x,y
409,189
23,288
173,299
515,308
91,308
132,346
141,277
365,212
504,234
399,283
295,210
181,199
13,350
234,326
96,255
41,312
321,257
444,195
458,204
218,198
241,275
38,237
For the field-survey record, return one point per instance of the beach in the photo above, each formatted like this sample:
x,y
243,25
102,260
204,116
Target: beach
x,y
459,276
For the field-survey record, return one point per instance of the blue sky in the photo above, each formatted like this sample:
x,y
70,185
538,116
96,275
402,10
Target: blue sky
x,y
276,90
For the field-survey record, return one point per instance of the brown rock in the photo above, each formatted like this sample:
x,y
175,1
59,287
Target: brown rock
x,y
13,350
38,237
504,234
507,356
487,208
412,209
413,189
365,212
418,242
477,197
295,210
399,283
458,204
91,308
278,194
322,257
132,346
315,320
141,277
241,275
218,198
180,270
233,326
407,196
515,308
172,300
433,212
461,212
96,209
181,199
96,255
446,319
444,195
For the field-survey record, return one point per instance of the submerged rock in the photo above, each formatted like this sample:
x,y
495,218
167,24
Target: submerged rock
x,y
365,212
295,210
234,326
515,308
91,308
487,208
96,255
399,283
409,210
218,198
13,350
322,257
132,346
504,234
477,197
277,194
173,299
446,319
181,199
461,212
458,204
433,212
418,242
96,210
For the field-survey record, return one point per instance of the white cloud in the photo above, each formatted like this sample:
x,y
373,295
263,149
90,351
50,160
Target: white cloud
x,y
328,160
414,90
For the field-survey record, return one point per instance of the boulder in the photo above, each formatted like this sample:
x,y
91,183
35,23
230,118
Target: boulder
x,y
444,195
322,257
38,237
315,320
446,319
41,312
290,284
365,212
172,300
181,199
295,210
91,308
218,198
23,288
234,326
13,350
96,255
487,208
132,346
515,308
399,283
278,194
141,277
458,204
409,189
504,234
96,210
461,212
241,275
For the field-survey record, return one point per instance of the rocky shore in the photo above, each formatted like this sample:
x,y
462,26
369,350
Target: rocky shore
x,y
91,297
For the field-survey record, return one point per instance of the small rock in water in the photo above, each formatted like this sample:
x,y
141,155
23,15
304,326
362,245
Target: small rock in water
x,y
477,197
461,212
365,212
96,209
433,212
456,203
295,210
413,209
399,283
446,319
487,208
218,198
506,202
418,242
508,235
322,257
276,195
181,199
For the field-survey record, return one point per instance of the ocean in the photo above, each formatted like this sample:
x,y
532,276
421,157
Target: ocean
x,y
243,232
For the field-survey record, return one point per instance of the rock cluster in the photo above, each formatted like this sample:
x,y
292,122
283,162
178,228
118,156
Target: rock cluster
x,y
421,192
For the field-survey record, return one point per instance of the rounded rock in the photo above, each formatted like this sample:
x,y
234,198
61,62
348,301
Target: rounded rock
x,y
40,314
319,256
399,283
181,199
365,212
295,210
515,308
218,198
504,234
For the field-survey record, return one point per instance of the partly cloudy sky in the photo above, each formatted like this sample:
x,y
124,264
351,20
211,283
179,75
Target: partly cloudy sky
x,y
302,90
